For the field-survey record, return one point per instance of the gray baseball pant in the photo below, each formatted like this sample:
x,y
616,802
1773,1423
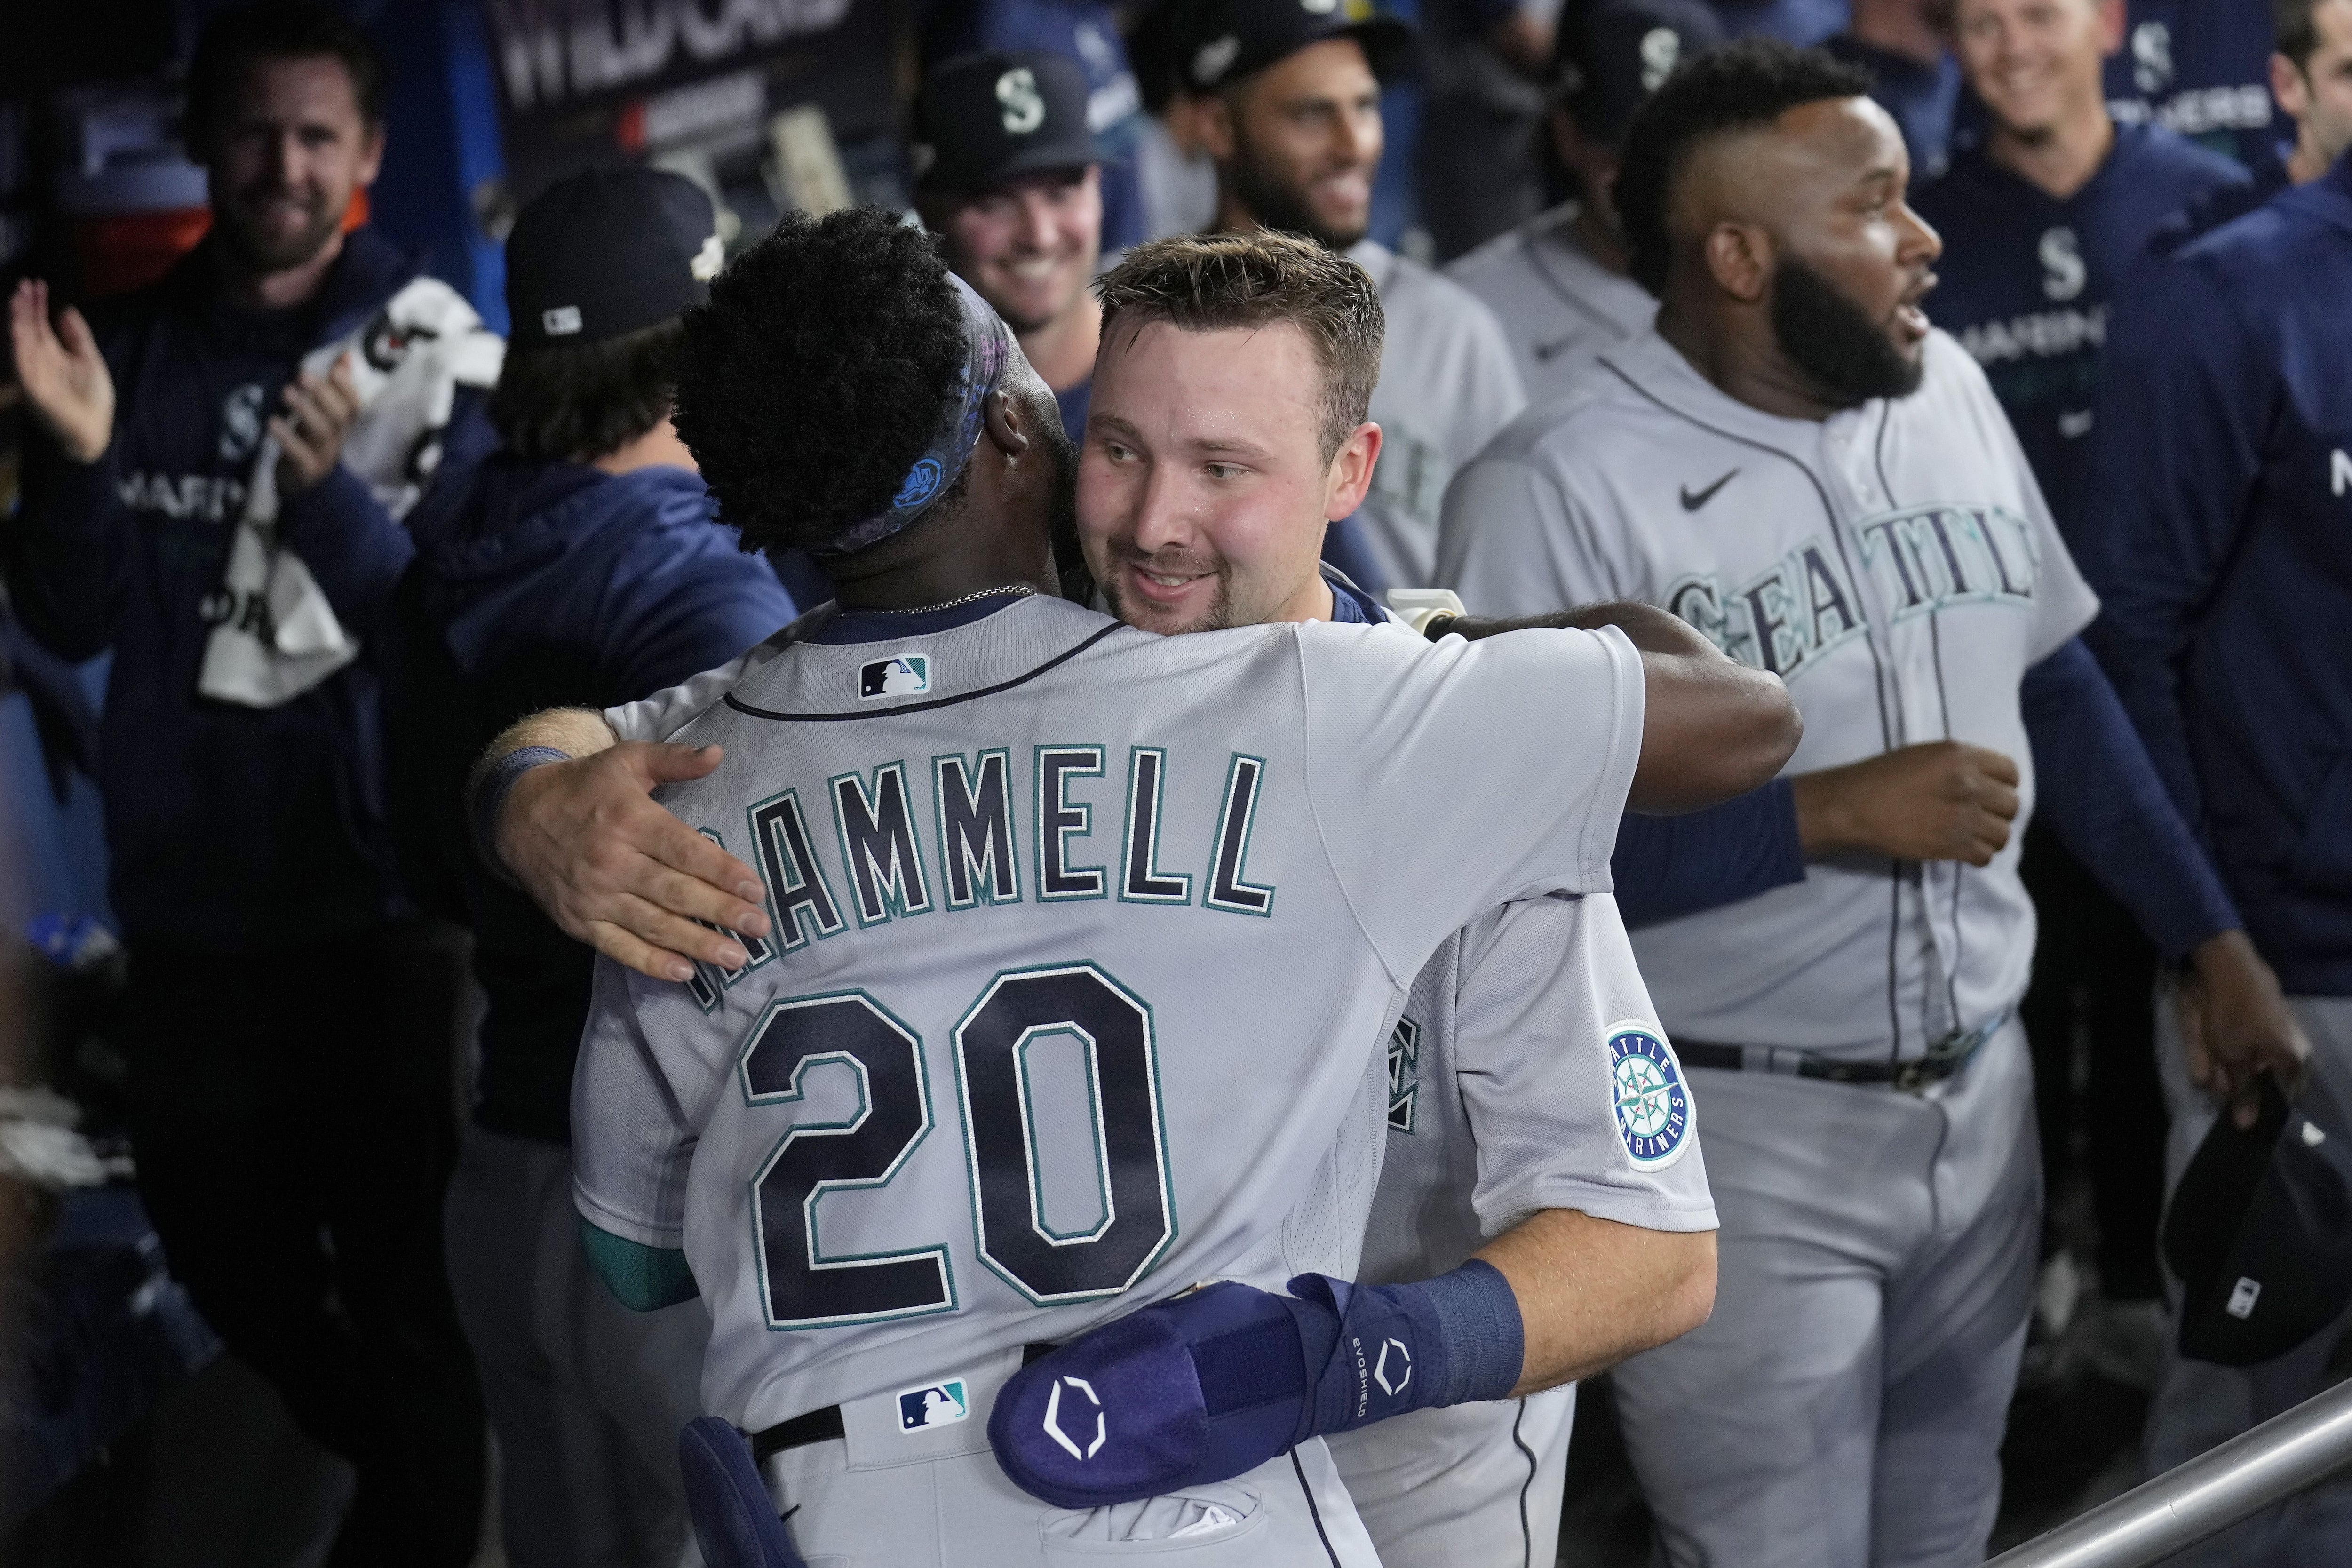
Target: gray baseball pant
x,y
586,1397
1844,1407
881,1497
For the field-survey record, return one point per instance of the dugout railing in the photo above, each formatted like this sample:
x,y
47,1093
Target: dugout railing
x,y
2204,1497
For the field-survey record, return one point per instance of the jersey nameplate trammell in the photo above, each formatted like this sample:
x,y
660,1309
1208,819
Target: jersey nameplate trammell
x,y
1083,965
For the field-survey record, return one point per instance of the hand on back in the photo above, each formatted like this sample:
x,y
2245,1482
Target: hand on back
x,y
611,869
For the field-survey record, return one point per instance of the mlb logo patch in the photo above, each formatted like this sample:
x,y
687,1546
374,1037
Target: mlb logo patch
x,y
933,1405
909,674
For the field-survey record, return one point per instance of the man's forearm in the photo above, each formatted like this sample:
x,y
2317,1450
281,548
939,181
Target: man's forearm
x,y
1592,1292
550,735
63,551
1711,727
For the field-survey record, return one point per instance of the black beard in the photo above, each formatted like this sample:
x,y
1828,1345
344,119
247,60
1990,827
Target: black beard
x,y
1847,356
1277,205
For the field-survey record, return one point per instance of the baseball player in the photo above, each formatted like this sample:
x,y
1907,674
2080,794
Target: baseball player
x,y
1290,112
1557,282
1795,463
2044,214
2200,68
2044,219
1012,179
994,1295
2217,539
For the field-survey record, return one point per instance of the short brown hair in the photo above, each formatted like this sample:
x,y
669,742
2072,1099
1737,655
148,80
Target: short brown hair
x,y
1211,282
563,401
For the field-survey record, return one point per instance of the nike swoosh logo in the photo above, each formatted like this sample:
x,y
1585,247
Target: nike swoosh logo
x,y
1692,502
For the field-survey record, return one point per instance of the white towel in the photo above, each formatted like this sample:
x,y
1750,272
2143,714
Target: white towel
x,y
281,636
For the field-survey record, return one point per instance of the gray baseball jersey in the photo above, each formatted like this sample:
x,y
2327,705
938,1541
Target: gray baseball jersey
x,y
1527,1072
1180,885
1556,303
1894,565
1446,385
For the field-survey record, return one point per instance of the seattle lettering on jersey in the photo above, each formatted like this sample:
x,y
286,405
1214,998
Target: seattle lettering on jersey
x,y
1915,560
892,855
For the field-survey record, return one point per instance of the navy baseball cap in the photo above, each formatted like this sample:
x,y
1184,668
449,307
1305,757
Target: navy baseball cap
x,y
608,251
985,118
2260,1233
1609,57
1218,42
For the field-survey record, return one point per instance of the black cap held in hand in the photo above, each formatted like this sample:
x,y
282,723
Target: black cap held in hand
x,y
2260,1233
608,251
1222,41
1611,56
986,119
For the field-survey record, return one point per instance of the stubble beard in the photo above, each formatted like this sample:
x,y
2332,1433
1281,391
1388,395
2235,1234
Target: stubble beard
x,y
1278,205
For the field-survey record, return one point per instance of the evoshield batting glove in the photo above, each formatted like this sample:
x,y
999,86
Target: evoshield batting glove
x,y
1213,1384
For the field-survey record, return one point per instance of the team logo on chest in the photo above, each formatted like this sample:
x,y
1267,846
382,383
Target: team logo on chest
x,y
1651,1102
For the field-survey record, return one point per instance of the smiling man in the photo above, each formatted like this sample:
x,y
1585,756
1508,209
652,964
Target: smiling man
x,y
1797,463
1013,180
1290,95
293,1137
2044,220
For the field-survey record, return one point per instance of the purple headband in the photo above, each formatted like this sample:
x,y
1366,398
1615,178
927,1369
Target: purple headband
x,y
987,346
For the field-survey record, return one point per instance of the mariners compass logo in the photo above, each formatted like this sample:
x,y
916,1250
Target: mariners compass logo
x,y
1652,1102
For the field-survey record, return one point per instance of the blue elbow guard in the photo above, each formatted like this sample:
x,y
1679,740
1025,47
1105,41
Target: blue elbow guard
x,y
1215,1383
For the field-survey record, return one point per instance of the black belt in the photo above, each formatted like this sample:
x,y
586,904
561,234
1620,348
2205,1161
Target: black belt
x,y
824,1426
1944,1058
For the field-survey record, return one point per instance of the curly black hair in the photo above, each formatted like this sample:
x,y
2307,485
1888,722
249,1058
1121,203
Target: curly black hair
x,y
1738,87
815,376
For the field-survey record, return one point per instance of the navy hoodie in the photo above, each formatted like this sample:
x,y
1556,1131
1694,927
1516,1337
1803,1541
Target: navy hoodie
x,y
228,827
544,586
2219,540
2027,281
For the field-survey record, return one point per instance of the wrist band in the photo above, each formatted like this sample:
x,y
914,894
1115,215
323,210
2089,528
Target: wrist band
x,y
490,798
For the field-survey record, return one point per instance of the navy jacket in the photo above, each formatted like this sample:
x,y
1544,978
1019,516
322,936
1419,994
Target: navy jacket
x,y
2221,542
2201,68
2027,282
228,827
543,586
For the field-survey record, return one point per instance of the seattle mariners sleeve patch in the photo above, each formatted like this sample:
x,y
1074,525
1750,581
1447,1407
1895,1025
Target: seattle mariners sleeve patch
x,y
1649,1097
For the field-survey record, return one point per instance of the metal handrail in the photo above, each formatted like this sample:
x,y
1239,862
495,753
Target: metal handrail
x,y
2204,1497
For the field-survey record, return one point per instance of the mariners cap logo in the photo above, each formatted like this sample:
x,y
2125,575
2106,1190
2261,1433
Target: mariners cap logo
x,y
908,675
1023,106
1648,1096
931,1406
1070,1434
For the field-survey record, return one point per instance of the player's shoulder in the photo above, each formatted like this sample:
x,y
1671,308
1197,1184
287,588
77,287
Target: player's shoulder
x,y
2156,157
1503,258
1589,419
1409,289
